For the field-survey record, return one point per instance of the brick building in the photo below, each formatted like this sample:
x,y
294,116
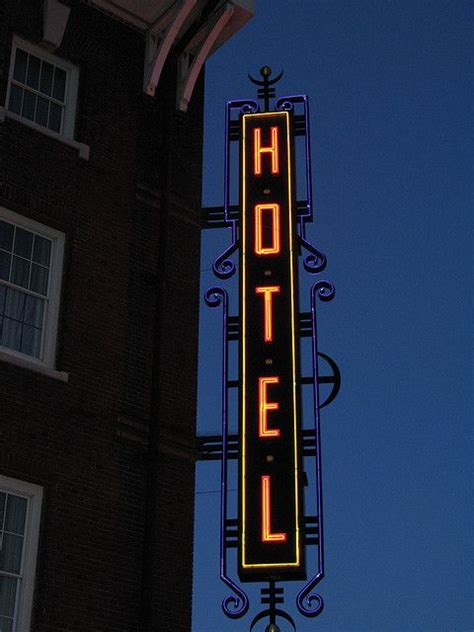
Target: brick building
x,y
101,108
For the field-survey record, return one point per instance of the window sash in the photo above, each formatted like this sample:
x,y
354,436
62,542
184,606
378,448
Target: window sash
x,y
33,494
14,618
17,333
37,342
22,288
17,577
23,86
67,107
27,291
38,95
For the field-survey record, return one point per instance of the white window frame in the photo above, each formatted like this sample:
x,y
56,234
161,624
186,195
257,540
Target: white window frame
x,y
70,101
46,362
34,495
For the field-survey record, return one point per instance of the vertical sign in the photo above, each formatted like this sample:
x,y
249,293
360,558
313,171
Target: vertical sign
x,y
270,498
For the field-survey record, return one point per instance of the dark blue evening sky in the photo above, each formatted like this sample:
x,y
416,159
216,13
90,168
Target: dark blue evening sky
x,y
390,85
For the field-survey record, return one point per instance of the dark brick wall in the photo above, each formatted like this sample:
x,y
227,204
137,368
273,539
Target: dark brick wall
x,y
113,447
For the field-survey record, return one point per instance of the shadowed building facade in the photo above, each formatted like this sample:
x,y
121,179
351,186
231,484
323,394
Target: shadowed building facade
x,y
101,109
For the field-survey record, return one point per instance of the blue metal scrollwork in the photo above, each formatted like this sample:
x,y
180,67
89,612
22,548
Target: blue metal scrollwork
x,y
236,605
308,603
316,261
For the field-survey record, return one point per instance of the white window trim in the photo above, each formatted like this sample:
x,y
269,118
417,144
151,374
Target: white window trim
x,y
45,364
34,494
72,80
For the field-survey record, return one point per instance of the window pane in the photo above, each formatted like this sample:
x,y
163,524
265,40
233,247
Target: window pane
x,y
55,117
28,110
20,272
59,84
7,596
11,334
16,514
6,235
5,259
10,553
31,341
32,76
46,83
3,292
41,250
23,243
39,279
6,625
42,112
34,308
19,72
3,498
14,304
16,96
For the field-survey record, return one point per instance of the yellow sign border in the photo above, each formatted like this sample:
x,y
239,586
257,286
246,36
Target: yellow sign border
x,y
296,563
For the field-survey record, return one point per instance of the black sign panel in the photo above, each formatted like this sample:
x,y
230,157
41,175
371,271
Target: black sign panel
x,y
270,503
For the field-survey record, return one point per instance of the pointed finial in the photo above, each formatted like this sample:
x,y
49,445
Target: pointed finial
x,y
266,91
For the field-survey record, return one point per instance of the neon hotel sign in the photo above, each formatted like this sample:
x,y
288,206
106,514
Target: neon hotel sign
x,y
270,501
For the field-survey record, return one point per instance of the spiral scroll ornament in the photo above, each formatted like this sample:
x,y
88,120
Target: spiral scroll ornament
x,y
235,606
214,296
223,267
310,605
316,260
325,290
249,107
284,105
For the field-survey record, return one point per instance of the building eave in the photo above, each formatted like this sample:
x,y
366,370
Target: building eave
x,y
165,23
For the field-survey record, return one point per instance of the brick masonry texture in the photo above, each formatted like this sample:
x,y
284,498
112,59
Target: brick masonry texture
x,y
113,447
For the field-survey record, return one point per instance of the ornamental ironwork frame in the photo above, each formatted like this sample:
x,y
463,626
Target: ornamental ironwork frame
x,y
224,447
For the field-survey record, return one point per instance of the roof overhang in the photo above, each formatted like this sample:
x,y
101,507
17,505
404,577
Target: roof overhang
x,y
206,25
153,16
